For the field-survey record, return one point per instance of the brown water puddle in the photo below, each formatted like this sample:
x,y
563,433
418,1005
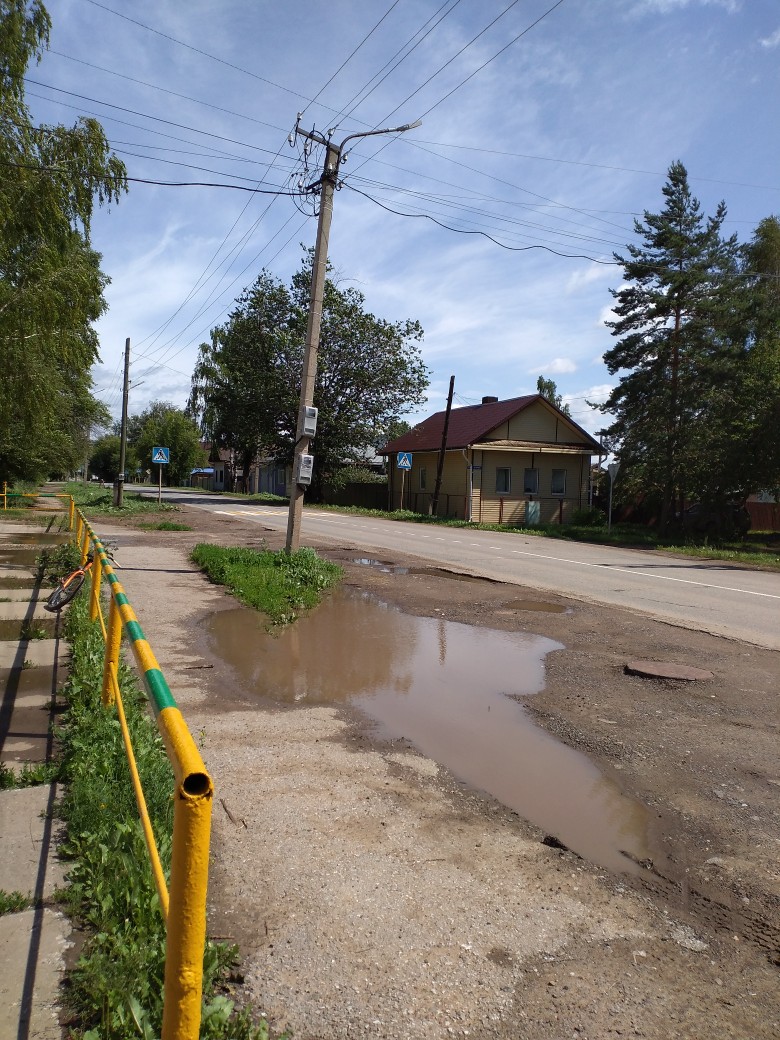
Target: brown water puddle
x,y
18,557
38,538
449,689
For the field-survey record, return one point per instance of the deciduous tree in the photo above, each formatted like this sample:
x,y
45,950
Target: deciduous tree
x,y
246,383
51,285
164,425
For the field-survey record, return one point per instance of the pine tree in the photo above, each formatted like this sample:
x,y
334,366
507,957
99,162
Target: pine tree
x,y
674,326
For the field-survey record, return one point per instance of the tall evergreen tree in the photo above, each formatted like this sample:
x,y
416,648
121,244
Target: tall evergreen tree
x,y
51,285
674,325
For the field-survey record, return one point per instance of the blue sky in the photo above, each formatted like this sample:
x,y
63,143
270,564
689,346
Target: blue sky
x,y
555,137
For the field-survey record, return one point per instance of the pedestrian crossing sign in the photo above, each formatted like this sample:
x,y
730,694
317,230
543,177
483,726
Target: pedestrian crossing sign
x,y
162,455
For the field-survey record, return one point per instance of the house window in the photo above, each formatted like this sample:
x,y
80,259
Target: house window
x,y
558,482
531,482
423,478
503,480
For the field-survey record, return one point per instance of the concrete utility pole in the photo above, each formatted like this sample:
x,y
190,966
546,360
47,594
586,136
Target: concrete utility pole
x,y
334,156
120,483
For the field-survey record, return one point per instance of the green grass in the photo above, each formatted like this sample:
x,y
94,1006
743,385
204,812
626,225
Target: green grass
x,y
279,584
758,548
31,774
115,990
96,501
13,902
166,525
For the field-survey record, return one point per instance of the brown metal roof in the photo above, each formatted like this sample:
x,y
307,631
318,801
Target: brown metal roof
x,y
467,426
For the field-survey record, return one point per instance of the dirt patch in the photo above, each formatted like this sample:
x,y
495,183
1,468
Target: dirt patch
x,y
376,895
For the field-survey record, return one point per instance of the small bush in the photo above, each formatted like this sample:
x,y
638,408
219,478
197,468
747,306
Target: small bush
x,y
588,517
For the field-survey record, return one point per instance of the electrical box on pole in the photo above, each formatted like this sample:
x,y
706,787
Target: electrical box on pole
x,y
309,421
305,469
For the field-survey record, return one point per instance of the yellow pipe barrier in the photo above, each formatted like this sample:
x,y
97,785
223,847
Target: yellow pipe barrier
x,y
94,599
184,903
140,800
111,659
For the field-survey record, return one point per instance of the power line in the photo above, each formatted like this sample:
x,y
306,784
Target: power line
x,y
578,162
352,54
197,50
355,103
514,249
166,90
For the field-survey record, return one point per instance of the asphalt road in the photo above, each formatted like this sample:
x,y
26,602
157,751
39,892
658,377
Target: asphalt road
x,y
721,598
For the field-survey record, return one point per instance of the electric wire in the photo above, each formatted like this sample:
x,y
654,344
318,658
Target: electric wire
x,y
352,54
357,100
514,249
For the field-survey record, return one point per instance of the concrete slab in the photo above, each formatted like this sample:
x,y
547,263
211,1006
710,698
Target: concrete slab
x,y
19,610
29,835
32,963
39,652
29,736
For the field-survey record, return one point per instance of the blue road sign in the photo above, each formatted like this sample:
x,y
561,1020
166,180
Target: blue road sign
x,y
404,460
162,455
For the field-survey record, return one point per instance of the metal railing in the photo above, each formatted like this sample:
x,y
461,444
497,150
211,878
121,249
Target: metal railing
x,y
183,902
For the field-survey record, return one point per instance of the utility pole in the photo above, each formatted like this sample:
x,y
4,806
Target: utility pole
x,y
442,450
120,483
334,156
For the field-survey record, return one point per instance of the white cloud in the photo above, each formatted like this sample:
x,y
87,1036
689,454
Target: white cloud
x,y
666,6
589,418
771,41
557,366
587,276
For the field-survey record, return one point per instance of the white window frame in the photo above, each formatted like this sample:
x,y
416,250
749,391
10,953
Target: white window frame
x,y
423,478
535,482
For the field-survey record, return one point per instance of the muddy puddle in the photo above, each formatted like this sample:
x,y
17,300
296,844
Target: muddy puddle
x,y
431,572
18,557
39,538
450,689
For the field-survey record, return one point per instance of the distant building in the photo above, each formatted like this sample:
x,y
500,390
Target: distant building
x,y
519,462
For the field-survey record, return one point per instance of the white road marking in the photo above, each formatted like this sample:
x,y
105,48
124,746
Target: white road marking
x,y
645,574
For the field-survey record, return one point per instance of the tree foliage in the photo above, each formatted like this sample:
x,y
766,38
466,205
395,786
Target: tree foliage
x,y
51,285
548,389
246,385
680,344
164,425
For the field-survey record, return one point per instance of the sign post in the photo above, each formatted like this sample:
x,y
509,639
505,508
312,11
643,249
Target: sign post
x,y
612,468
162,456
403,462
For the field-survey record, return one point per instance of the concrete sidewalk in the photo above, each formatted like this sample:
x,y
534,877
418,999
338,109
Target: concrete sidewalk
x,y
32,666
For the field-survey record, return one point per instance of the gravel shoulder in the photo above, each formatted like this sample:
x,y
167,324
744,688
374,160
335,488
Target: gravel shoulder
x,y
373,895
